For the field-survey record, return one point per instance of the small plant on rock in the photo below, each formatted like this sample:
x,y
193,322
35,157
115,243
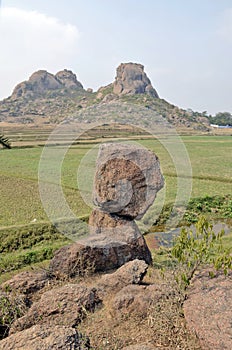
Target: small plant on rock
x,y
12,306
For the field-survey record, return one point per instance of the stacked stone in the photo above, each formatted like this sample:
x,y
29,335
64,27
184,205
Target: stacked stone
x,y
126,182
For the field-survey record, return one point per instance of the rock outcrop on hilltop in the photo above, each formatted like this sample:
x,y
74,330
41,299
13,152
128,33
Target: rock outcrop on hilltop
x,y
46,99
131,79
42,81
43,337
69,79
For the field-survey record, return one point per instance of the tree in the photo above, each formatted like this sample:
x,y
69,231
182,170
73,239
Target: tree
x,y
221,118
4,141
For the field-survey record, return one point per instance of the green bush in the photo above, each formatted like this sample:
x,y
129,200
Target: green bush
x,y
197,249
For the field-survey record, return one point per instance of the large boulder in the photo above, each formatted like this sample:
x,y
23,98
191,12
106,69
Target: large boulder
x,y
42,337
68,79
131,79
63,306
42,81
127,179
38,83
108,249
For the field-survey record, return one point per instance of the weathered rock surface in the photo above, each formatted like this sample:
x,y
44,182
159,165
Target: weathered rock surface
x,y
136,299
131,79
131,273
63,306
140,347
101,252
42,337
127,179
69,79
208,310
26,282
42,81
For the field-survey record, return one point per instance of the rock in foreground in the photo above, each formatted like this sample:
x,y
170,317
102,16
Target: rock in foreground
x,y
63,306
140,347
101,252
26,282
46,338
208,310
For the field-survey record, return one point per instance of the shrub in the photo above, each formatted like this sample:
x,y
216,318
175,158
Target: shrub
x,y
195,249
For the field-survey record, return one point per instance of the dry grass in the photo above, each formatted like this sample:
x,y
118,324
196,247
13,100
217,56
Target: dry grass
x,y
163,325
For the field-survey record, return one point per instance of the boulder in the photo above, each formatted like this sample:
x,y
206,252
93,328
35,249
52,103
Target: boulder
x,y
208,310
131,79
26,282
130,273
63,306
68,79
127,179
107,250
42,81
38,83
42,337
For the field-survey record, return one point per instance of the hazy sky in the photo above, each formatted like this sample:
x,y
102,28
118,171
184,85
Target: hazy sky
x,y
185,45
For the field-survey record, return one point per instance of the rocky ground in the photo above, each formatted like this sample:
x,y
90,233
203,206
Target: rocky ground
x,y
103,292
132,307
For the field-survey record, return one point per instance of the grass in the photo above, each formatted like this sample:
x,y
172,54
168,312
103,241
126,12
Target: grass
x,y
21,205
162,325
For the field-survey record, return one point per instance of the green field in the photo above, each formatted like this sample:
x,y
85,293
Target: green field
x,y
20,203
27,236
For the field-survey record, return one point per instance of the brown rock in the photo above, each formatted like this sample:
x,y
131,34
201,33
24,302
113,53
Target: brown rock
x,y
110,248
101,222
131,79
208,310
127,179
42,337
61,306
136,299
140,347
130,273
26,282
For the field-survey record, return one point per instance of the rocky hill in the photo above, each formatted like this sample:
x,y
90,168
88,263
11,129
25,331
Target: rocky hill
x,y
46,98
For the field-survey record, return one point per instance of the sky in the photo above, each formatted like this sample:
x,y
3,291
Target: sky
x,y
185,46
